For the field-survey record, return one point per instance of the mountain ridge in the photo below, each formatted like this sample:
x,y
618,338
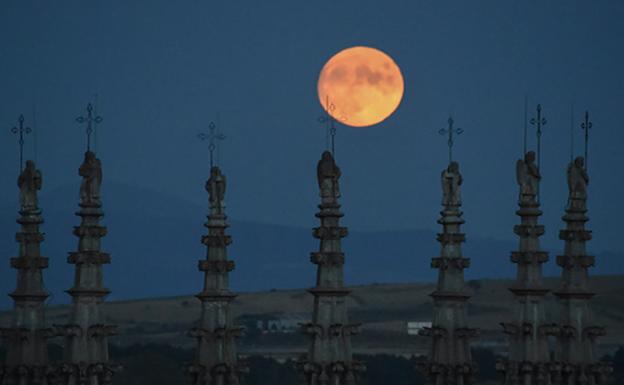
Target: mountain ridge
x,y
156,237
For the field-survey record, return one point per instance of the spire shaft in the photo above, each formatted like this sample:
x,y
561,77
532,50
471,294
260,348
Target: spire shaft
x,y
527,329
26,338
86,334
449,360
578,334
216,360
329,359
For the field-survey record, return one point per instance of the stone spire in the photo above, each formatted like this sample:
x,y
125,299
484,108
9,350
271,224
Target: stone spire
x,y
329,359
86,360
577,338
216,362
26,338
449,361
529,360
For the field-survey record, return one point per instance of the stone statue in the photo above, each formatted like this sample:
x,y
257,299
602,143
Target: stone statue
x,y
216,186
578,179
328,174
29,181
451,180
91,173
528,176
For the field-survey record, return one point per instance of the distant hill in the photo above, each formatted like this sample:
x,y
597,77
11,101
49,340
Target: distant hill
x,y
154,242
383,310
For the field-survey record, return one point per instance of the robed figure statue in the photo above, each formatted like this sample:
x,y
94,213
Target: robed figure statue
x,y
577,180
528,177
328,173
29,181
216,186
91,173
451,180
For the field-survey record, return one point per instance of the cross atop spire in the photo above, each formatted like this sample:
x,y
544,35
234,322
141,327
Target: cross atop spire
x,y
539,121
329,121
450,131
21,130
212,136
91,121
586,126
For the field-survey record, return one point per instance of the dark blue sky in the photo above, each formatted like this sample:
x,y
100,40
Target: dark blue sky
x,y
163,70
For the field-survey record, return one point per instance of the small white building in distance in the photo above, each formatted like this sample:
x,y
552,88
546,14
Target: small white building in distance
x,y
413,327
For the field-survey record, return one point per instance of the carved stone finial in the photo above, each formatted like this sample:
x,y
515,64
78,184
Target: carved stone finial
x,y
91,173
215,186
528,176
577,179
451,180
29,182
328,174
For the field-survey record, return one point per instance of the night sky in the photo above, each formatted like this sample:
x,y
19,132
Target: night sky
x,y
163,70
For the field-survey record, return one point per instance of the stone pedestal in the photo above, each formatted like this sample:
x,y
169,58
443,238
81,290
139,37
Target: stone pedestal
x,y
329,360
216,361
449,361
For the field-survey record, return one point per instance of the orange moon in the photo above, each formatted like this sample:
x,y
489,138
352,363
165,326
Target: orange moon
x,y
363,86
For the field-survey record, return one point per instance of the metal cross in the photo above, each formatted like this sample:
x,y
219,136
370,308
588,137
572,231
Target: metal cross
x,y
585,126
329,120
539,122
450,131
92,122
211,137
21,130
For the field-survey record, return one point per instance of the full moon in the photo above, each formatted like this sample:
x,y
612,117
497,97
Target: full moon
x,y
360,86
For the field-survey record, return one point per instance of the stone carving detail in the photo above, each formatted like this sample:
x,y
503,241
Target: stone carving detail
x,y
328,174
91,173
451,182
216,266
528,176
330,259
215,186
325,232
29,182
216,240
577,179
